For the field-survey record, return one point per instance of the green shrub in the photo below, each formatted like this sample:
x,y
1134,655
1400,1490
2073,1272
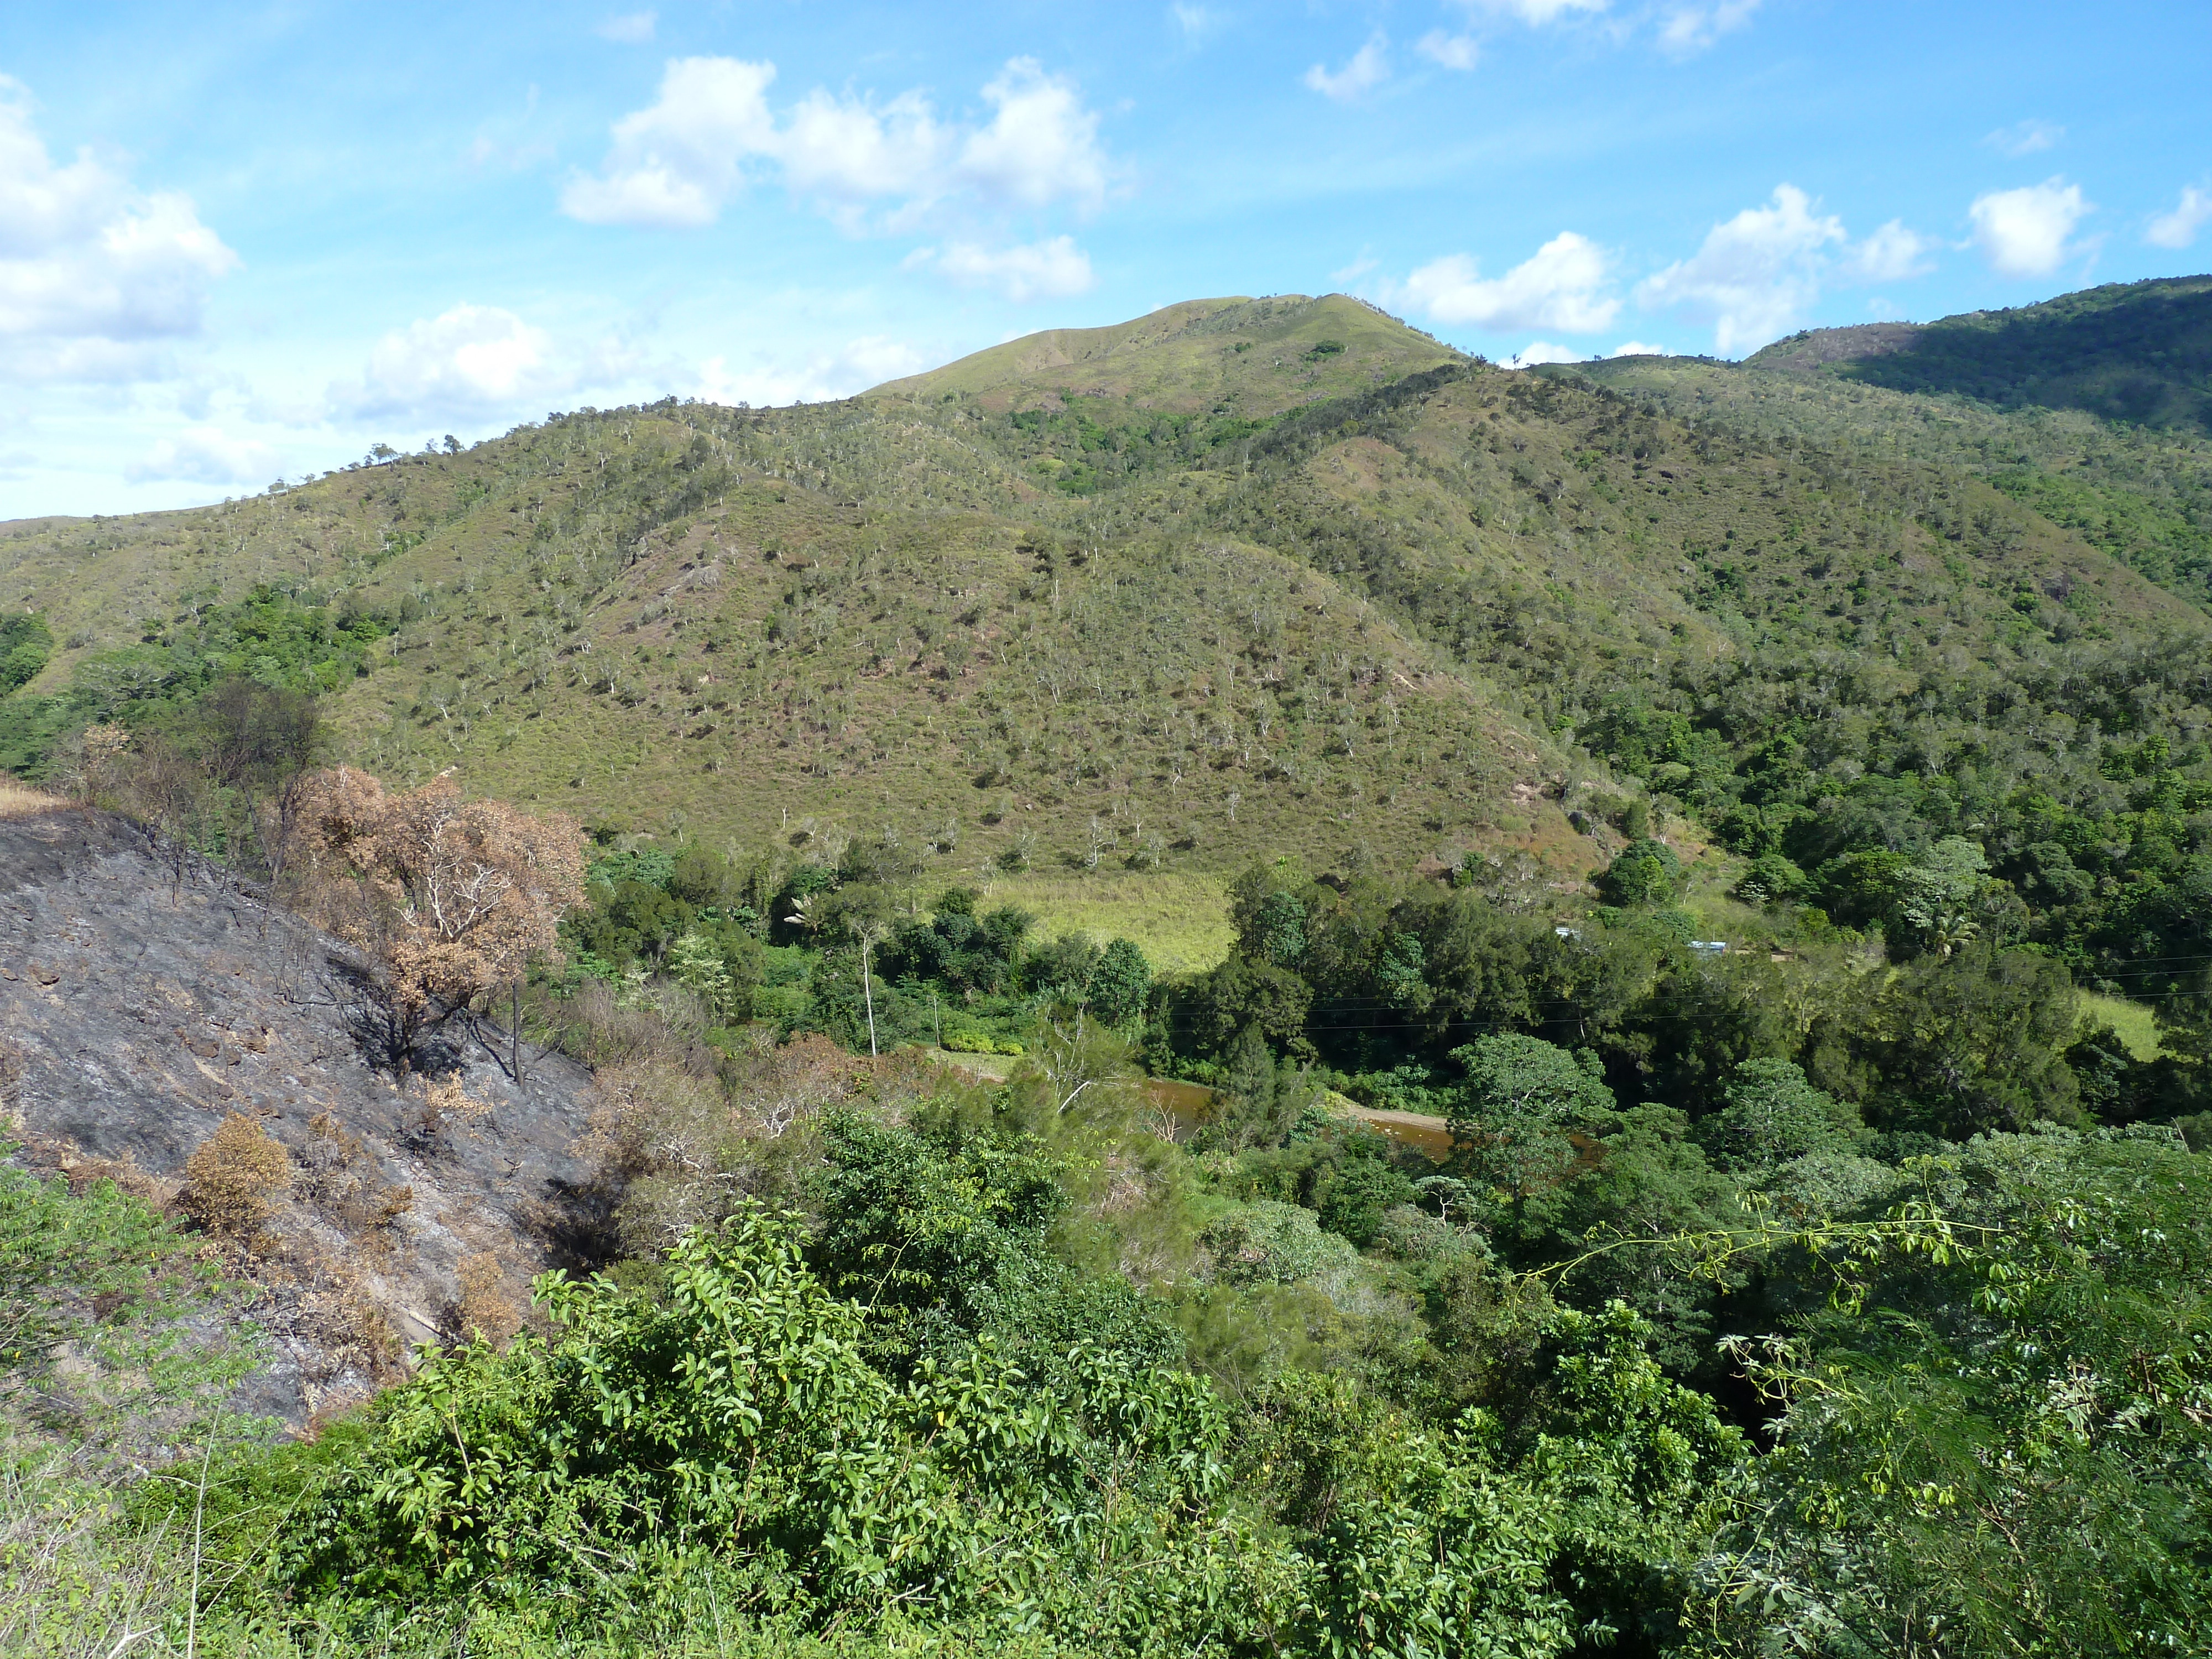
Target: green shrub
x,y
1645,872
1267,1241
736,1417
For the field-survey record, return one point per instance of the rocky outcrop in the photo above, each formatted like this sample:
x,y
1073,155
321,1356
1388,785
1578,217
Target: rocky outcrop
x,y
146,995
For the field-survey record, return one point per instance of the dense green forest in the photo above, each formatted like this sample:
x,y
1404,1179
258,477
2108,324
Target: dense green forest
x,y
1694,1146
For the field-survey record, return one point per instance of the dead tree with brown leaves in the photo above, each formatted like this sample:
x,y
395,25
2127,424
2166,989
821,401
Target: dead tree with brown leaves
x,y
455,898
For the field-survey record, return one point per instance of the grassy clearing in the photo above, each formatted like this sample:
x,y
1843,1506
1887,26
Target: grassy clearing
x,y
2134,1022
1179,919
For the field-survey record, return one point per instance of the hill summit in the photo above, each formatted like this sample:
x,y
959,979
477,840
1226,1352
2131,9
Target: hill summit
x,y
1260,356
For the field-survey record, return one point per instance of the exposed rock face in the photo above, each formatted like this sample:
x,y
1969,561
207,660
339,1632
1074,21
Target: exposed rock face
x,y
146,995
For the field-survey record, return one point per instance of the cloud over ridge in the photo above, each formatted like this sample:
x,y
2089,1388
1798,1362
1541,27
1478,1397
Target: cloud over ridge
x,y
679,161
1754,275
2025,232
470,360
1559,286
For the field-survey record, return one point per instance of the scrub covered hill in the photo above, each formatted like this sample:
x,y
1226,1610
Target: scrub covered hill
x,y
1260,356
2091,409
1267,576
864,617
2139,352
1836,658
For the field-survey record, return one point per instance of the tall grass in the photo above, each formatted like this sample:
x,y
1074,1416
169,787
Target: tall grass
x,y
19,800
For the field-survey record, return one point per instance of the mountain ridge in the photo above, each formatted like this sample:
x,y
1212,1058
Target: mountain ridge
x,y
2139,352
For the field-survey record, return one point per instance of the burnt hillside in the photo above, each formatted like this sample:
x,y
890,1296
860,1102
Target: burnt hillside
x,y
147,996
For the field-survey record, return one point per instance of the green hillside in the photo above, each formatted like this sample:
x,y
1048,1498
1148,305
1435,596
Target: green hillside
x,y
2139,352
1242,577
860,619
1248,357
2140,494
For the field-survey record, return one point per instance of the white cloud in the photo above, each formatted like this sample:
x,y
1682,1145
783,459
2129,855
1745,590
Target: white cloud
x,y
1454,51
679,161
1686,29
1638,348
675,162
1543,351
855,366
204,454
632,28
1042,146
1755,274
1560,286
847,150
1367,68
473,359
92,272
1536,13
1036,270
2023,233
2178,229
1889,255
2024,137
1196,23
1682,27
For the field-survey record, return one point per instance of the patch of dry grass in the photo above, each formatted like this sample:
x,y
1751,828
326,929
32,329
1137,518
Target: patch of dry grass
x,y
19,800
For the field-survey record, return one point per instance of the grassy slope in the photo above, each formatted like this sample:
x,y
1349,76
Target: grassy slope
x,y
1216,602
1257,356
1178,918
2136,1026
822,622
2144,497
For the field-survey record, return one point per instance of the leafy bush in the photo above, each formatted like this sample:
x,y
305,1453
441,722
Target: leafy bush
x,y
68,1257
1267,1241
24,644
2005,1441
1644,872
736,1415
1773,1115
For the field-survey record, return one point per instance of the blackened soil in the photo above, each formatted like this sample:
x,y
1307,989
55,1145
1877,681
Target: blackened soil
x,y
147,995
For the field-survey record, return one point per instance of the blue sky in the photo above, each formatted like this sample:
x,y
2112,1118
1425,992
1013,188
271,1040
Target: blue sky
x,y
244,241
